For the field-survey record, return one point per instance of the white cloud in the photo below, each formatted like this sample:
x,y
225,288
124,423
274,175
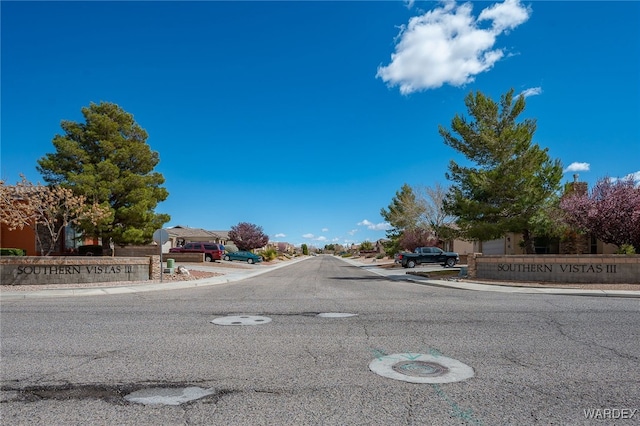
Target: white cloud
x,y
314,238
446,45
505,16
635,176
577,167
382,226
352,232
280,235
325,229
533,91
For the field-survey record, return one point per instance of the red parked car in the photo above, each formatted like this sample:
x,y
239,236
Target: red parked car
x,y
212,251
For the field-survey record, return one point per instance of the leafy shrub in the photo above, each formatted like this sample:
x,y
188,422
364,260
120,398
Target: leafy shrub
x,y
626,249
12,252
269,254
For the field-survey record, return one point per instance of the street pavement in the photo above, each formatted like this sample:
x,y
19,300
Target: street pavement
x,y
321,329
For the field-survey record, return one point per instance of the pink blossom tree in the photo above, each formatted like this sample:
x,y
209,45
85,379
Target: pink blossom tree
x,y
610,211
48,210
248,236
417,237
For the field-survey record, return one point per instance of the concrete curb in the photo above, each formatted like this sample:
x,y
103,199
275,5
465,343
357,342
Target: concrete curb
x,y
237,275
526,290
503,288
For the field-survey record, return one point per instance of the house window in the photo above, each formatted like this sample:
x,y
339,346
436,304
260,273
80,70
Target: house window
x,y
71,239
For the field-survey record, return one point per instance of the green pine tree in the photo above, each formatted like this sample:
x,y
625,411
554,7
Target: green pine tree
x,y
404,213
108,160
512,177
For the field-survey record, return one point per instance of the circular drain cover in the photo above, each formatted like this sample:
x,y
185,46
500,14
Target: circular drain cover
x,y
241,320
336,315
419,368
168,396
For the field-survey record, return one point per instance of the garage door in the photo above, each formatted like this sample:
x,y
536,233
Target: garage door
x,y
493,247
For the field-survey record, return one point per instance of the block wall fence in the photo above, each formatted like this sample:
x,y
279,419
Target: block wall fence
x,y
583,269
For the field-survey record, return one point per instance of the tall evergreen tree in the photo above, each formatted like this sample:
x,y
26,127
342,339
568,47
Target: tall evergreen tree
x,y
107,160
404,213
513,176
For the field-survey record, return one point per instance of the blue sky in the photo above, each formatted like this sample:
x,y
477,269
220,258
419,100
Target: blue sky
x,y
306,117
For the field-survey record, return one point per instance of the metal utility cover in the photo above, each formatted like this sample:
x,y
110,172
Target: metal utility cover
x,y
241,320
420,368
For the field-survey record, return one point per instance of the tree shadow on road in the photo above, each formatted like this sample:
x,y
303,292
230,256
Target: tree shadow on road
x,y
372,278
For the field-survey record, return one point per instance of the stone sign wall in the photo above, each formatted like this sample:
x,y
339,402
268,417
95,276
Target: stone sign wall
x,y
606,269
29,270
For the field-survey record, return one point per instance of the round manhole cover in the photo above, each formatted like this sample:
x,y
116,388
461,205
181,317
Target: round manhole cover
x,y
336,315
419,368
241,320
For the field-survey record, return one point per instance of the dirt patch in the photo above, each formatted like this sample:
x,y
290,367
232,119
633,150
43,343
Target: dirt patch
x,y
437,275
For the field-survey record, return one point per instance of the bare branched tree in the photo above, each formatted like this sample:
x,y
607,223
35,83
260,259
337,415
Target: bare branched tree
x,y
434,216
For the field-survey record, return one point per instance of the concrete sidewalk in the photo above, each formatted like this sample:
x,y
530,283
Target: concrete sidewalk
x,y
501,288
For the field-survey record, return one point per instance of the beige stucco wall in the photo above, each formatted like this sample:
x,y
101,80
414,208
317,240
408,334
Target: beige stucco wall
x,y
463,247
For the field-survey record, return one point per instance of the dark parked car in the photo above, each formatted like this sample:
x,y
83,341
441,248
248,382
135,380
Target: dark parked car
x,y
428,255
212,251
245,256
90,250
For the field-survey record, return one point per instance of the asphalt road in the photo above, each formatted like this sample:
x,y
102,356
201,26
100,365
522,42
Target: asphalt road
x,y
537,359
